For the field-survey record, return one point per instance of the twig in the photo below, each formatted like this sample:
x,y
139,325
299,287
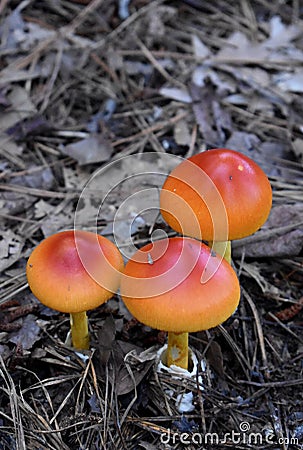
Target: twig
x,y
90,8
259,331
285,327
158,66
14,405
126,23
151,129
37,192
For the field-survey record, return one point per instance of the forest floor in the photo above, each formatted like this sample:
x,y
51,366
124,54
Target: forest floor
x,y
99,100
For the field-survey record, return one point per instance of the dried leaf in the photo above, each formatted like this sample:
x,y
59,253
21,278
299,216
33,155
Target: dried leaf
x,y
28,334
94,404
154,22
201,51
215,357
38,179
184,425
254,270
180,95
297,146
74,178
5,351
242,140
222,120
255,76
15,33
239,48
10,248
90,150
132,183
287,243
280,34
12,30
55,221
9,146
203,105
203,75
181,133
264,153
258,104
132,374
29,127
21,107
42,208
106,337
238,99
14,204
292,82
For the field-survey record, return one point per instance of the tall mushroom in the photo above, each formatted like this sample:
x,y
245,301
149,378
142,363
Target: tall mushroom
x,y
163,287
72,272
242,185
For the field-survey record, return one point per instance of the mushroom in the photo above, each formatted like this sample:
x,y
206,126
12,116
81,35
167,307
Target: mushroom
x,y
74,271
201,181
163,286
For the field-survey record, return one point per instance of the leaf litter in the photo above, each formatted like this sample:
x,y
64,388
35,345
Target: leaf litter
x,y
83,84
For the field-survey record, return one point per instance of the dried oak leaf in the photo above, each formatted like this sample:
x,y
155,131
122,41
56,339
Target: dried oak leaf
x,y
28,334
92,149
273,240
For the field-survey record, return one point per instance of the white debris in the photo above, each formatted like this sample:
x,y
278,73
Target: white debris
x,y
184,402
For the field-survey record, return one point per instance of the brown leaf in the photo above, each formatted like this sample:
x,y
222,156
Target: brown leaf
x,y
273,240
11,246
21,107
222,120
129,374
90,150
180,95
215,357
202,106
239,47
106,337
28,334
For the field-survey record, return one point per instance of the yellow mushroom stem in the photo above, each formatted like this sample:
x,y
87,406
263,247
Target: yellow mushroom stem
x,y
177,350
222,248
79,330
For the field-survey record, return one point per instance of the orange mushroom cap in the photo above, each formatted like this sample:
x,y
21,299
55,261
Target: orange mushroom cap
x,y
161,286
237,181
74,271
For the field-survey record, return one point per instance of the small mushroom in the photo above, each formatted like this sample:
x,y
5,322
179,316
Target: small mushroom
x,y
206,182
73,272
171,294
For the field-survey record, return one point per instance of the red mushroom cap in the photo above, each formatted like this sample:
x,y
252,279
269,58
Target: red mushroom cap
x,y
242,185
74,271
161,286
